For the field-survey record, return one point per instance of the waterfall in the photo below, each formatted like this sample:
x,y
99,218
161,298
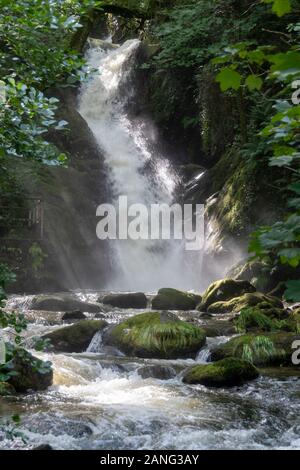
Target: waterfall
x,y
135,170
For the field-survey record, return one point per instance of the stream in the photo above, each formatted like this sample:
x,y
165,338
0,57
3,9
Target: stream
x,y
99,401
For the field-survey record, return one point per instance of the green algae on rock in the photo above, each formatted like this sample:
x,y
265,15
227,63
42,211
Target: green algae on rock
x,y
156,335
224,290
75,338
225,373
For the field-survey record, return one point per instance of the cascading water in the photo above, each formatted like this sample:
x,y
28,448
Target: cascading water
x,y
135,170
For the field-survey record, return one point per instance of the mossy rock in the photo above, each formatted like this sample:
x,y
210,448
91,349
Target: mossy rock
x,y
257,319
224,290
228,372
156,335
31,373
131,300
271,305
173,299
266,349
61,303
6,389
75,338
256,272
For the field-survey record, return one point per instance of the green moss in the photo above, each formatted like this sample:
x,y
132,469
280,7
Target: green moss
x,y
222,290
227,372
264,350
156,334
271,305
173,299
75,338
254,318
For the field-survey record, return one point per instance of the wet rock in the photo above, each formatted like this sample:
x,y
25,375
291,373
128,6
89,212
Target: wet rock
x,y
173,299
224,290
74,315
31,372
271,305
215,328
131,300
228,372
266,349
43,447
74,338
6,389
157,335
157,372
45,424
61,303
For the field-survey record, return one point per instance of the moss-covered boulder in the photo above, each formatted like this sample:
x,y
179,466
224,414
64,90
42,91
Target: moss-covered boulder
x,y
131,300
224,290
266,349
74,315
272,306
63,302
30,373
6,389
156,335
74,338
225,373
255,319
173,299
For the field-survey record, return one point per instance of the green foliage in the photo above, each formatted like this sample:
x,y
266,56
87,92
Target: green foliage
x,y
254,318
251,67
260,348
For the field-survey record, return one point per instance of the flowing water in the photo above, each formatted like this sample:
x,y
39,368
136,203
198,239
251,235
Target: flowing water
x,y
99,401
136,170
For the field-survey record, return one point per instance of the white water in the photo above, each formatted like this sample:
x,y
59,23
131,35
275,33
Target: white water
x,y
135,170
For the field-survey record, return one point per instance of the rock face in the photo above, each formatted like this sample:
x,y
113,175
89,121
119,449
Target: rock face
x,y
262,301
172,299
156,335
32,373
62,302
75,338
267,349
132,300
225,373
224,290
157,372
74,315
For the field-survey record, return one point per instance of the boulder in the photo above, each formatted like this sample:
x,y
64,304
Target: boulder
x,y
131,300
157,372
272,306
267,349
228,372
173,299
6,389
156,335
74,338
74,315
64,302
224,290
30,372
43,447
258,319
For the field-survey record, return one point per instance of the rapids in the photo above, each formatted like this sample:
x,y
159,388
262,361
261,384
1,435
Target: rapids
x,y
99,401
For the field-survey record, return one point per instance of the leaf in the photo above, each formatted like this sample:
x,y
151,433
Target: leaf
x,y
284,160
253,82
281,7
229,78
292,293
